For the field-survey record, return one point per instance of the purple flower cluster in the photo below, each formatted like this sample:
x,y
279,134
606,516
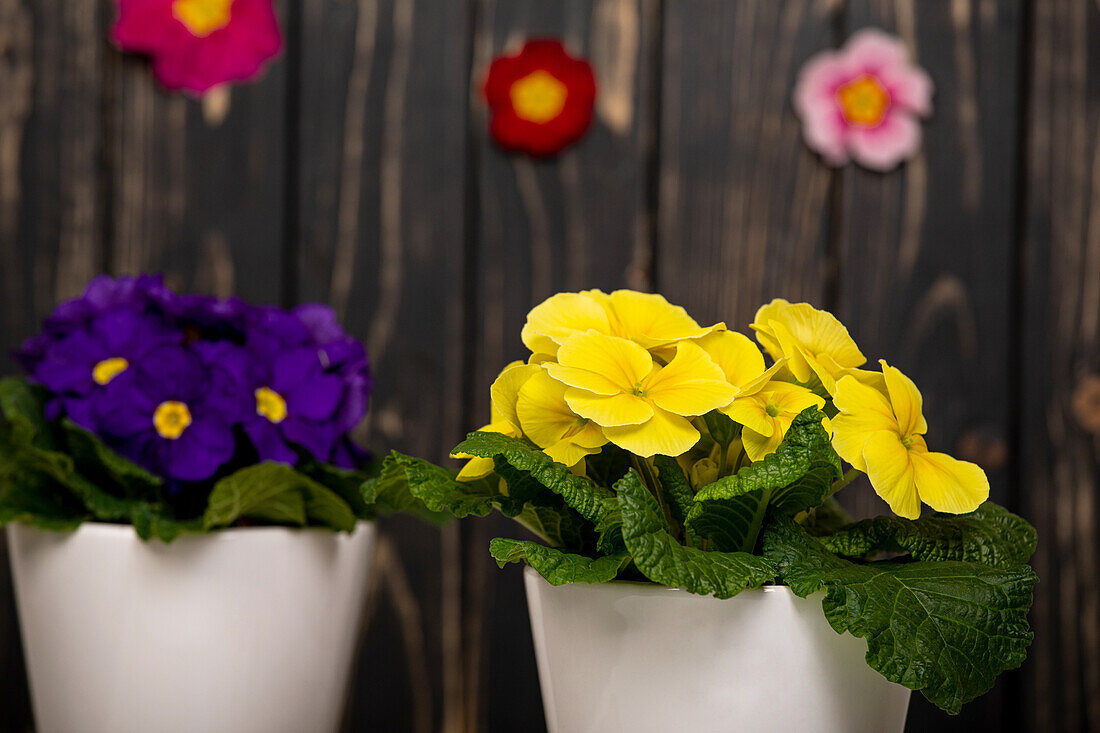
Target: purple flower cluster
x,y
172,381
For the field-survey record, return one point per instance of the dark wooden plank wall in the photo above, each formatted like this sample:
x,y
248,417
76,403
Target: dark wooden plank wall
x,y
358,173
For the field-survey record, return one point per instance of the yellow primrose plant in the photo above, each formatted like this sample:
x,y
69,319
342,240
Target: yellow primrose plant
x,y
638,445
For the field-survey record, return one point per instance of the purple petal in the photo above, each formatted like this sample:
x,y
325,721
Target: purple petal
x,y
199,452
321,322
316,398
317,438
172,373
268,443
294,367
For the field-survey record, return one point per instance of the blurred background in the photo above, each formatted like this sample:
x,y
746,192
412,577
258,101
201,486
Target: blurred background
x,y
358,172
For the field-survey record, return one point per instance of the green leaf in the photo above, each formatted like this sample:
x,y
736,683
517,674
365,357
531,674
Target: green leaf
x,y
722,429
557,567
664,560
799,473
408,484
677,487
826,519
796,477
32,498
275,492
560,526
991,535
944,628
347,484
607,466
93,456
520,487
578,491
157,520
24,406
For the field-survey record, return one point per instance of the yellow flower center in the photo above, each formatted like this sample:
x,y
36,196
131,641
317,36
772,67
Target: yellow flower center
x,y
772,409
538,97
270,404
907,441
108,369
202,17
864,101
639,390
171,419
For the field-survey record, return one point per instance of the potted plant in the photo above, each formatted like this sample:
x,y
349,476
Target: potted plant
x,y
188,538
682,492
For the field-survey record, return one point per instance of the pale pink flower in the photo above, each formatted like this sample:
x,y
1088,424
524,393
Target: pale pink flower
x,y
863,102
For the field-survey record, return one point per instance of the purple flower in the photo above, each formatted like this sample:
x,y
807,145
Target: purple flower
x,y
309,381
173,413
204,316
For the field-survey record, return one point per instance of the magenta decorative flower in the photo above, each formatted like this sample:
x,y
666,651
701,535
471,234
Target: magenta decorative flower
x,y
197,44
863,102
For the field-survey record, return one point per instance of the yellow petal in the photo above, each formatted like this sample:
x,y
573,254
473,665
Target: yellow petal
x,y
757,445
787,329
905,399
602,364
505,390
863,412
947,484
891,473
543,413
609,410
590,436
691,384
750,412
651,320
665,434
553,321
735,354
791,399
568,452
476,468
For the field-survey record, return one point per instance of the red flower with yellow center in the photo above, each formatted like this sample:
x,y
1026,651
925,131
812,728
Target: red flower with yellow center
x,y
540,99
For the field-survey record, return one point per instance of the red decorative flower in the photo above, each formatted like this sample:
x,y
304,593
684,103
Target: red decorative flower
x,y
198,44
541,99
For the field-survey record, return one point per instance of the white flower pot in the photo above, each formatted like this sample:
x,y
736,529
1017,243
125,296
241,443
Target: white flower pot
x,y
242,630
636,657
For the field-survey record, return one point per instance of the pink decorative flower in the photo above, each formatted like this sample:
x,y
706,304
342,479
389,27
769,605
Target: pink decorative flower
x,y
863,101
198,44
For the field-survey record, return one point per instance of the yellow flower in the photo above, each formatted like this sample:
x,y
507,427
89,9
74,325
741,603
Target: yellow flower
x,y
767,413
547,420
739,359
503,418
814,342
881,433
641,406
645,318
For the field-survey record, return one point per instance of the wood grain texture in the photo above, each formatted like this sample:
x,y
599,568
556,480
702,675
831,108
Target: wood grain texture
x,y
579,220
926,257
743,204
1059,439
381,201
51,199
197,186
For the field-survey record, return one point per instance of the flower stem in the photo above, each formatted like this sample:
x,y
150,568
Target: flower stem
x,y
851,475
649,478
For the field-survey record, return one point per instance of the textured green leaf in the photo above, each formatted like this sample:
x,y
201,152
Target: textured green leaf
x,y
663,560
557,567
798,474
990,535
275,492
578,491
560,526
390,493
676,486
945,628
95,458
347,484
722,429
519,488
728,523
607,466
24,406
31,498
157,520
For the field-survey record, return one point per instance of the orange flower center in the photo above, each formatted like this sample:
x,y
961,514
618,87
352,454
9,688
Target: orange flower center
x,y
538,97
108,369
864,101
202,17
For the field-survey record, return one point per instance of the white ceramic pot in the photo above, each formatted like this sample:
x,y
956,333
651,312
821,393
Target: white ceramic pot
x,y
241,630
636,657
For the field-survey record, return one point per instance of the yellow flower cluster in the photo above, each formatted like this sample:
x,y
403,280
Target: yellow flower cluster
x,y
632,369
